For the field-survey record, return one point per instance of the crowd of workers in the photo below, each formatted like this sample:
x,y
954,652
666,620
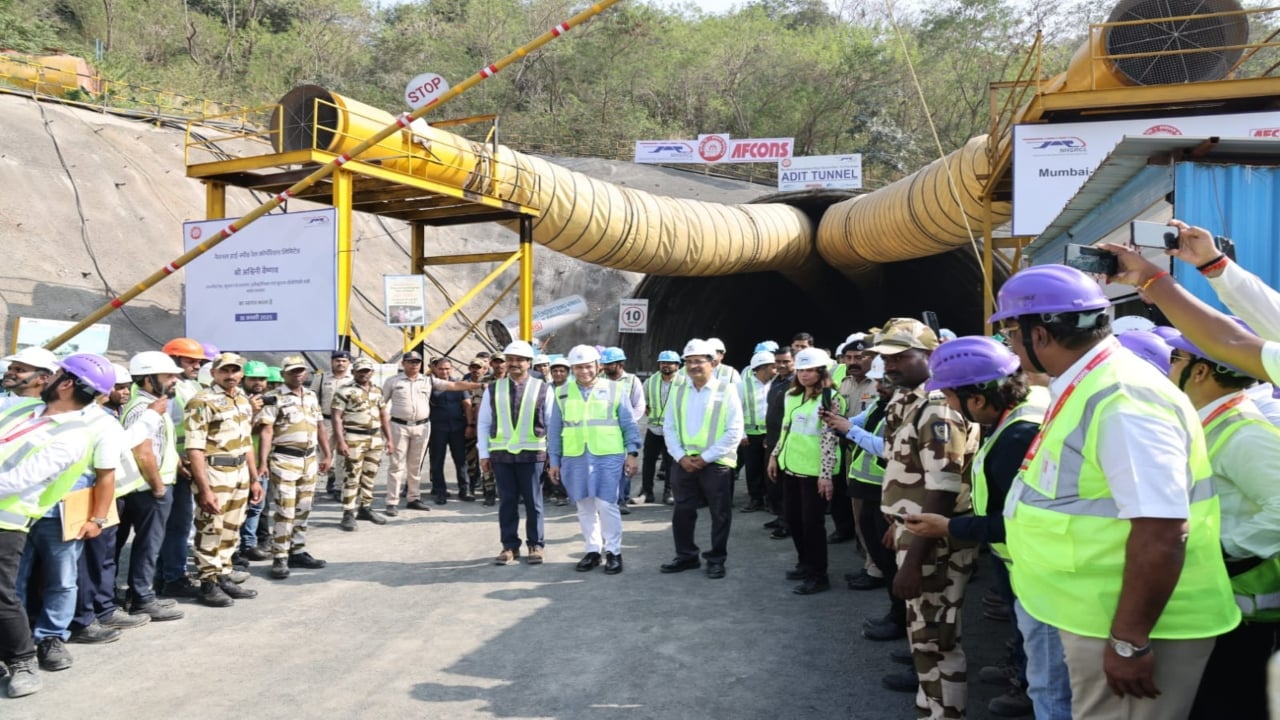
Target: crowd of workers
x,y
1121,481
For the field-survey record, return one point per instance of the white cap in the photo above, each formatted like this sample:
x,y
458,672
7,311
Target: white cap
x,y
153,362
36,357
717,344
855,337
810,358
1131,322
519,348
764,357
542,360
699,347
122,374
583,354
877,369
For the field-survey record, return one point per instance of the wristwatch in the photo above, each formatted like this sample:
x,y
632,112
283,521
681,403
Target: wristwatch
x,y
1127,649
100,522
633,454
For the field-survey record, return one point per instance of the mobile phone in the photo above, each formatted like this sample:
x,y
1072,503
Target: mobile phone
x,y
930,318
1227,246
1087,258
1153,235
270,399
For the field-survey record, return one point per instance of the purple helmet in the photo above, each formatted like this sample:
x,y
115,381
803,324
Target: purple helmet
x,y
971,360
1165,332
1046,289
1180,342
210,350
94,371
1149,346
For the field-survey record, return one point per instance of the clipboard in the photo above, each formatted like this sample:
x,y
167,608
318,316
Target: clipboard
x,y
76,509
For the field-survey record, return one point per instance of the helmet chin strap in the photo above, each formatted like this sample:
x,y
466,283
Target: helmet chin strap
x,y
964,406
1024,329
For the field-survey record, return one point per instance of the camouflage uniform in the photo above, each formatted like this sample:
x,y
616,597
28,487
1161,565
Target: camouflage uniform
x,y
486,480
929,447
326,387
362,426
220,424
293,463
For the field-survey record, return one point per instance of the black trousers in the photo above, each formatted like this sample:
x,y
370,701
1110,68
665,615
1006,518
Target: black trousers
x,y
841,506
806,512
711,486
874,526
15,631
455,442
755,460
657,463
145,516
96,580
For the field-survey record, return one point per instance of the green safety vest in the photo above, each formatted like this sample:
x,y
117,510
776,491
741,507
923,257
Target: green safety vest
x,y
752,420
169,458
184,390
654,402
801,439
838,375
518,436
864,466
18,512
1063,528
1257,590
590,423
712,417
1030,410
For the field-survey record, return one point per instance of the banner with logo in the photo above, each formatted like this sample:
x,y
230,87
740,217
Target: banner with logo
x,y
271,287
714,149
1051,162
820,172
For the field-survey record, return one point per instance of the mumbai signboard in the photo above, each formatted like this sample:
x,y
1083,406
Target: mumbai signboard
x,y
1051,162
820,172
271,287
715,149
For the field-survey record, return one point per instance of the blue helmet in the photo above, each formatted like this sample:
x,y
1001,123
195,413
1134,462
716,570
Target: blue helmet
x,y
766,346
669,356
612,355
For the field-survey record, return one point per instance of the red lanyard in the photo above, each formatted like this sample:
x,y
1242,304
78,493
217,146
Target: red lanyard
x,y
1224,407
28,426
1062,400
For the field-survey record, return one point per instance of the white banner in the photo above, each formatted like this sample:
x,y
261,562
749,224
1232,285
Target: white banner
x,y
823,172
35,332
404,300
1051,162
718,149
633,316
272,287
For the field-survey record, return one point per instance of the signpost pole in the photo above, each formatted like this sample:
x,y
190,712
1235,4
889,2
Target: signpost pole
x,y
342,187
526,278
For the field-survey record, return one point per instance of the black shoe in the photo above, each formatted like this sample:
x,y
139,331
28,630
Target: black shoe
x,y
490,498
280,569
234,591
838,537
212,594
682,564
419,505
813,586
646,498
623,509
904,681
612,563
715,570
373,516
53,655
348,521
466,497
183,587
96,634
441,499
256,554
1013,703
238,560
588,562
902,656
797,573
304,560
779,533
863,581
122,620
884,631
773,524
157,611
390,511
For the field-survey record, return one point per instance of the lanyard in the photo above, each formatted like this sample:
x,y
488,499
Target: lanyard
x,y
28,427
1062,400
1224,407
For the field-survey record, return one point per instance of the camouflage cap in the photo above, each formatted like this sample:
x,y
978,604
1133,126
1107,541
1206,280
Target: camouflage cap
x,y
902,334
293,362
479,362
227,359
364,363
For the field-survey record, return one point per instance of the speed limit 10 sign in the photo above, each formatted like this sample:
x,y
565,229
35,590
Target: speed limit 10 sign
x,y
633,316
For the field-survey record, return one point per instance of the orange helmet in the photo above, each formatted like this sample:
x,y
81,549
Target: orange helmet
x,y
184,347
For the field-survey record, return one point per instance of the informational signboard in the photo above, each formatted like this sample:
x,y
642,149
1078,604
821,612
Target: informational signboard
x,y
405,300
1051,162
36,332
271,287
820,172
715,149
633,316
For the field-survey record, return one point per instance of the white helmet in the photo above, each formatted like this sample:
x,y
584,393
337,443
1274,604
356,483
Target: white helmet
x,y
36,357
122,374
153,362
204,375
519,348
762,358
699,347
810,358
877,369
561,361
583,354
717,344
542,360
1131,322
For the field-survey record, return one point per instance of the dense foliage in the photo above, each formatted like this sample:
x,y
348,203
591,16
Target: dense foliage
x,y
836,80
